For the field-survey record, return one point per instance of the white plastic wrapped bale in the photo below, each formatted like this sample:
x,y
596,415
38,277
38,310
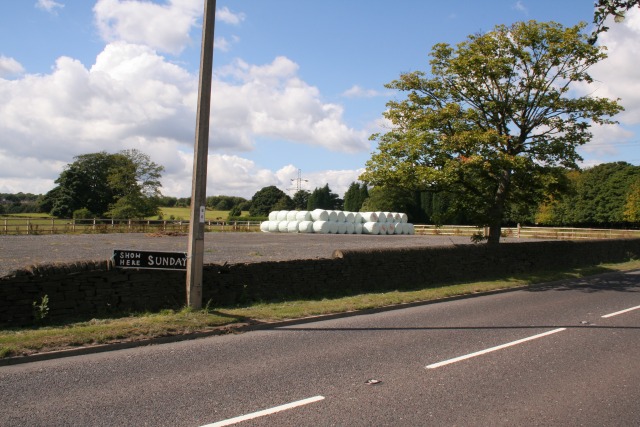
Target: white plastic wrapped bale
x,y
273,216
282,215
319,215
341,216
399,227
321,227
283,226
350,217
351,228
409,228
382,217
369,217
333,216
371,228
342,228
264,226
292,227
383,228
404,218
273,226
391,228
333,227
305,226
357,228
357,218
389,216
303,216
291,215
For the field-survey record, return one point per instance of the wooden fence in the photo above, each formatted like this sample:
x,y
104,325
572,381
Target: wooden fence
x,y
559,233
18,225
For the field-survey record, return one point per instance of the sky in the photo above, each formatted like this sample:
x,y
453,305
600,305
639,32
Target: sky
x,y
298,85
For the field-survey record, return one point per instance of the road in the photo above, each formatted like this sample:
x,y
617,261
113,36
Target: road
x,y
563,354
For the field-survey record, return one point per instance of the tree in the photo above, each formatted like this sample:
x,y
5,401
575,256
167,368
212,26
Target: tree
x,y
265,200
323,198
494,126
301,199
355,196
126,183
606,8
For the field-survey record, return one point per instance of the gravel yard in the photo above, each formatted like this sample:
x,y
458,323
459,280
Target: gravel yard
x,y
18,252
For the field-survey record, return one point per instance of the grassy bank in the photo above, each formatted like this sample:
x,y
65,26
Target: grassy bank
x,y
143,326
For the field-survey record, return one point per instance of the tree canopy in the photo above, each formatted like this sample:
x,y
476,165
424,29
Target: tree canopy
x,y
606,8
121,185
266,200
324,198
494,125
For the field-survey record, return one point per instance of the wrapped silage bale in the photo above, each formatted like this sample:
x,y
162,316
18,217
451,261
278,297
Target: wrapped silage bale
x,y
409,228
350,217
342,228
282,215
321,227
303,216
305,227
283,226
264,226
382,217
357,228
333,216
273,216
371,228
319,215
383,228
357,218
369,217
389,216
391,229
399,227
273,226
341,216
292,227
351,228
404,218
291,215
333,227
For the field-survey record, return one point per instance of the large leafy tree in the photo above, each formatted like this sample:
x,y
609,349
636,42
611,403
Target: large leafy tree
x,y
324,198
609,8
495,122
355,196
122,185
268,199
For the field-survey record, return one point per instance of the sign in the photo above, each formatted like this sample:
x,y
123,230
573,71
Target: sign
x,y
131,258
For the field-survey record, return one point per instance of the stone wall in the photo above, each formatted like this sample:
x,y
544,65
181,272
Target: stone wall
x,y
91,289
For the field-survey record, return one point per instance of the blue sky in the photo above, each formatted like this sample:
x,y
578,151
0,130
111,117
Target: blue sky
x,y
297,84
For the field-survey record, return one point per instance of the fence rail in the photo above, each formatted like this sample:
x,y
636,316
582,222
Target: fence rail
x,y
34,226
560,233
19,225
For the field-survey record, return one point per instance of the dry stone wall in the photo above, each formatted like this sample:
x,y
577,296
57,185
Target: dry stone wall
x,y
90,289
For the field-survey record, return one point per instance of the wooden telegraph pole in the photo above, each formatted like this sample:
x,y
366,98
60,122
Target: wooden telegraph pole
x,y
195,251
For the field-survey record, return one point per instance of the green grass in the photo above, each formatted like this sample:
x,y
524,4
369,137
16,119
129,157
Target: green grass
x,y
16,342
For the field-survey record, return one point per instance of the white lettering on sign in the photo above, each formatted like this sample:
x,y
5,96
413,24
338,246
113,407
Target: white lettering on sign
x,y
162,261
130,255
202,213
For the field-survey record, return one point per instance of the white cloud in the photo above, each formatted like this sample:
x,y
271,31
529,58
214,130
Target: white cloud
x,y
163,27
229,17
519,6
358,92
9,67
49,5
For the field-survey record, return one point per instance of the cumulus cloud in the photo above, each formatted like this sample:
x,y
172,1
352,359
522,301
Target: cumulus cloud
x,y
229,17
164,27
49,5
9,67
356,91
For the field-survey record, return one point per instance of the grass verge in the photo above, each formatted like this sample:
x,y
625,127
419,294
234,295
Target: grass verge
x,y
144,326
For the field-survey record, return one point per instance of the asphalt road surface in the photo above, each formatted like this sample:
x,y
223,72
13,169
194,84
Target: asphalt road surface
x,y
565,354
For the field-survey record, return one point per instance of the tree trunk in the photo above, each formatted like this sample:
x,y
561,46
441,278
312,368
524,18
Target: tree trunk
x,y
497,210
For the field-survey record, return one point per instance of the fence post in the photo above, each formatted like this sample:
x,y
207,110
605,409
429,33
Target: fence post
x,y
28,226
518,230
53,225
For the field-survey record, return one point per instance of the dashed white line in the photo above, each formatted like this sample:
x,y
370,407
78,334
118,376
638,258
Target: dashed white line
x,y
489,350
620,312
262,413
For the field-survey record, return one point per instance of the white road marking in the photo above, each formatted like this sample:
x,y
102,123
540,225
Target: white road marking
x,y
270,411
620,312
489,350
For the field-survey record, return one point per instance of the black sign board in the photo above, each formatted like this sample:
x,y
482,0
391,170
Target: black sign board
x,y
133,258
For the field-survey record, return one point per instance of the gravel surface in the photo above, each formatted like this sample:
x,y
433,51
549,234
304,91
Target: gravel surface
x,y
18,252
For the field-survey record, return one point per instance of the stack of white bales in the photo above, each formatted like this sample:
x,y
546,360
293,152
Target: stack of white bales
x,y
337,222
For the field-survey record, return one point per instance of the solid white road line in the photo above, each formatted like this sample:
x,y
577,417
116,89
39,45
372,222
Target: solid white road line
x,y
620,312
489,350
253,415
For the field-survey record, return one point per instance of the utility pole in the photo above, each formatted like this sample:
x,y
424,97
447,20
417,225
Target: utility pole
x,y
195,251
